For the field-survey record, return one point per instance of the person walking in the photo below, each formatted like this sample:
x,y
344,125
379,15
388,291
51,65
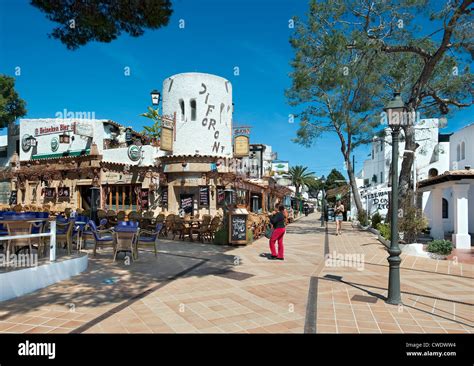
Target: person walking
x,y
278,220
338,213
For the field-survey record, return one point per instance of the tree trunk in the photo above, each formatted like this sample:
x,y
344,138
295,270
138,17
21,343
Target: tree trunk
x,y
405,179
352,180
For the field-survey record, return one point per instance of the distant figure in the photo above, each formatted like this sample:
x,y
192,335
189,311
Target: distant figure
x,y
278,222
338,213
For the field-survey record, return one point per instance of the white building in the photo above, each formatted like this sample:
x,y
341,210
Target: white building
x,y
431,158
450,206
203,107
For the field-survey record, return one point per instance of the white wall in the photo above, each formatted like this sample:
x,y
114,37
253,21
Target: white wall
x,y
465,135
100,131
211,131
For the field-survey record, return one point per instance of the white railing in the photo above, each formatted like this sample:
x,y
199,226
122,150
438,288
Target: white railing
x,y
51,234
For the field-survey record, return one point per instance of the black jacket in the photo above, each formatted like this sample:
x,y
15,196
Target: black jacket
x,y
278,220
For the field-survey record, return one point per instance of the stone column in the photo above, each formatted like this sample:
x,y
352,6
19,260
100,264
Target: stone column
x,y
437,231
461,237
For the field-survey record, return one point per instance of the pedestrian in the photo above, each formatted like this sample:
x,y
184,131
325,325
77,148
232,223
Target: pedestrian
x,y
338,213
278,222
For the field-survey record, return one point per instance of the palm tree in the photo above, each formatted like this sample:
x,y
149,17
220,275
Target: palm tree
x,y
153,131
300,177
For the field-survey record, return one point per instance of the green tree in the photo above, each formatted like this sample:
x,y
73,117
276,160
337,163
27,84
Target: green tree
x,y
81,22
336,85
300,177
11,105
153,131
335,179
418,47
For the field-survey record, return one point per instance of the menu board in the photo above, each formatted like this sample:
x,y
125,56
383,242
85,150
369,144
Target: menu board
x,y
164,196
220,195
203,196
64,192
238,229
49,193
14,198
187,204
144,199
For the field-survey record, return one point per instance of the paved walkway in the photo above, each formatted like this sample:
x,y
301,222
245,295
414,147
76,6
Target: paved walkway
x,y
194,287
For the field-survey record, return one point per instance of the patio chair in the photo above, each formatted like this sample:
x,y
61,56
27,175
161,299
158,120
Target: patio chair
x,y
121,215
64,233
147,238
19,228
17,208
67,212
213,227
168,225
203,228
101,214
179,228
134,216
87,234
100,237
111,218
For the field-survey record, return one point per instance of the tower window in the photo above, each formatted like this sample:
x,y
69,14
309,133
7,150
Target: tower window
x,y
181,106
463,150
193,109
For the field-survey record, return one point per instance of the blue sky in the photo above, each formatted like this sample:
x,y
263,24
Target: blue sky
x,y
218,36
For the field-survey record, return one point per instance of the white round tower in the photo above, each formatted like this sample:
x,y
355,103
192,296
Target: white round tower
x,y
203,107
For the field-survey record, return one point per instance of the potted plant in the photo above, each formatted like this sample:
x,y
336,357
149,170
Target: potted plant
x,y
439,249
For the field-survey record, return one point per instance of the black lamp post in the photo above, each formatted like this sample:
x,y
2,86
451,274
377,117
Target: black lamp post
x,y
323,202
396,116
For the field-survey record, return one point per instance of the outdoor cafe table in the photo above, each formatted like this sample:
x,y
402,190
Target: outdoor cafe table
x,y
80,228
192,224
125,238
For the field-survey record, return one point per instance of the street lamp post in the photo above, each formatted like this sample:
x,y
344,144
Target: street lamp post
x,y
323,202
396,114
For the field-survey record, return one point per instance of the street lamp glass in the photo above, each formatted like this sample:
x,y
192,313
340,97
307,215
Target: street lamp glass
x,y
155,97
396,111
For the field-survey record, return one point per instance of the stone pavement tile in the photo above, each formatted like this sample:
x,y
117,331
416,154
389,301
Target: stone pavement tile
x,y
59,330
369,330
40,329
19,328
326,329
54,322
6,325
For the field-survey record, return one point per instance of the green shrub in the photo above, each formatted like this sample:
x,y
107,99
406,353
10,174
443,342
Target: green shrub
x,y
376,220
443,247
221,237
412,222
384,230
249,236
362,217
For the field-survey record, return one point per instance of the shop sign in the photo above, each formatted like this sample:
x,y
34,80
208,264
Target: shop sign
x,y
53,129
166,142
14,198
49,193
64,192
164,196
280,167
203,196
54,144
144,199
134,153
187,204
220,195
83,129
241,146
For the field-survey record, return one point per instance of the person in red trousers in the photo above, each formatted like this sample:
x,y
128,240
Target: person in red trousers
x,y
278,222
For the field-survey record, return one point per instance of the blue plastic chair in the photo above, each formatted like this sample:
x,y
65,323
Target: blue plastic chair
x,y
100,239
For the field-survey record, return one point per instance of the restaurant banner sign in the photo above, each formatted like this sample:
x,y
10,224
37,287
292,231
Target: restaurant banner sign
x,y
203,196
54,129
